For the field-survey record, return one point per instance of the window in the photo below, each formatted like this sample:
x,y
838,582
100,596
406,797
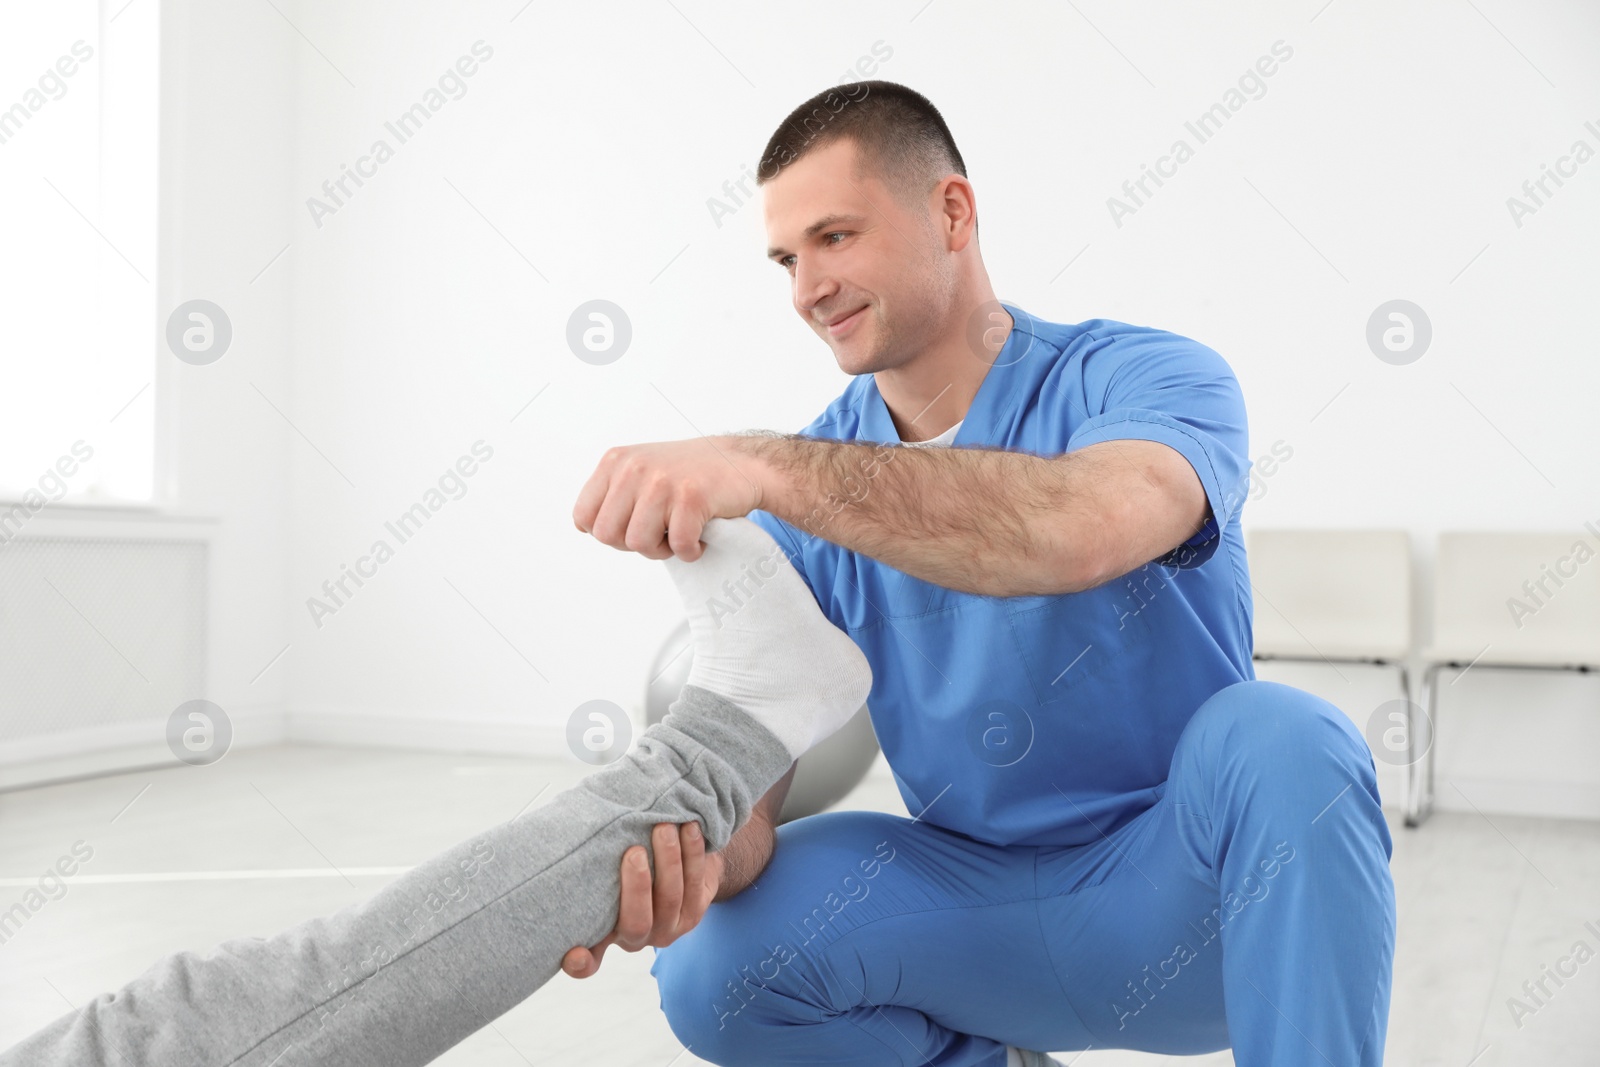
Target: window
x,y
78,150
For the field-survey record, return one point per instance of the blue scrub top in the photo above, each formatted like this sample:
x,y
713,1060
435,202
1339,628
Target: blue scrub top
x,y
1051,720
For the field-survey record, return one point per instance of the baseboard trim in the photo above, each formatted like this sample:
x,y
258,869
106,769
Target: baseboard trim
x,y
123,748
95,752
504,737
1500,796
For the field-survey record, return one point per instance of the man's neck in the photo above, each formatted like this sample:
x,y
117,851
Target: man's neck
x,y
933,392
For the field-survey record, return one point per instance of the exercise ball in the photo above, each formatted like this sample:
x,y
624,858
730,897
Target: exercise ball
x,y
822,775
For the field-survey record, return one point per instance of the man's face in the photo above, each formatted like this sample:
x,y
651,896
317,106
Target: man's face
x,y
878,272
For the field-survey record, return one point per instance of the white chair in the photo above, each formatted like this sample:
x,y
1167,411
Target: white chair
x,y
1335,596
1520,601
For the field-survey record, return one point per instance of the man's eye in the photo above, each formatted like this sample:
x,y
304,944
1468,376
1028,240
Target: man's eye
x,y
787,261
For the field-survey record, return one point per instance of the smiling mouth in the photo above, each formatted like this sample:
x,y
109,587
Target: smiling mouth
x,y
842,320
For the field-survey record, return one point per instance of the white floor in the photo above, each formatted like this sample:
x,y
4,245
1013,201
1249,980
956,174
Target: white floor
x,y
1485,902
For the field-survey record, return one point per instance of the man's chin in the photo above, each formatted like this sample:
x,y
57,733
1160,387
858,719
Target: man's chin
x,y
854,365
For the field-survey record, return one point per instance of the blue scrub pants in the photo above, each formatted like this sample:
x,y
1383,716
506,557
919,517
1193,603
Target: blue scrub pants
x,y
1251,907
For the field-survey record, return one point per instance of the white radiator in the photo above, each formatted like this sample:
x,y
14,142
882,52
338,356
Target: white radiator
x,y
101,638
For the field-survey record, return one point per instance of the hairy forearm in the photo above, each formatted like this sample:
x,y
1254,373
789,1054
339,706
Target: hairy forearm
x,y
744,857
749,850
978,520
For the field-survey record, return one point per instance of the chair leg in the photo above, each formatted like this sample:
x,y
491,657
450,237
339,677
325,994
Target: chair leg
x,y
1407,786
1422,797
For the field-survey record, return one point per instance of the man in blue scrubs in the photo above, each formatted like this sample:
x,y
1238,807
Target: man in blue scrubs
x,y
1117,837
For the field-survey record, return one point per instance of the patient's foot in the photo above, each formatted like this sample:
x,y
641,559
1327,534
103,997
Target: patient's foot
x,y
761,642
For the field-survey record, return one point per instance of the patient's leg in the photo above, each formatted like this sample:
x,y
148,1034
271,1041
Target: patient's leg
x,y
470,933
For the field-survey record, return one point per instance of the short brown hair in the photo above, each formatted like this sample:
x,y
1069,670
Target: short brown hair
x,y
899,136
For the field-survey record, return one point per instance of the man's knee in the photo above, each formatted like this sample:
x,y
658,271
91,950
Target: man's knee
x,y
1278,726
709,992
686,979
740,972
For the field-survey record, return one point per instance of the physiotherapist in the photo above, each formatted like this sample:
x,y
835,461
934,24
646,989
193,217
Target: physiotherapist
x,y
1117,837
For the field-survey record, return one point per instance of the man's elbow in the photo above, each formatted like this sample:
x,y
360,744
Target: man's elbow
x,y
1068,571
1083,551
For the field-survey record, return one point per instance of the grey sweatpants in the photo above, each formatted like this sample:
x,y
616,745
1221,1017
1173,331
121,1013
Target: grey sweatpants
x,y
447,947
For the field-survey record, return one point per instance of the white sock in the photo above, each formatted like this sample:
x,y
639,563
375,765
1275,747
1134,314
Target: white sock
x,y
761,642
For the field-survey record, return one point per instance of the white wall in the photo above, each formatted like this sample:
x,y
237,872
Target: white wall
x,y
426,312
228,82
